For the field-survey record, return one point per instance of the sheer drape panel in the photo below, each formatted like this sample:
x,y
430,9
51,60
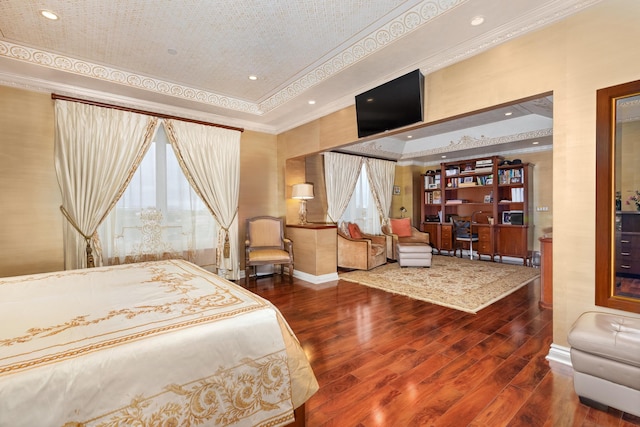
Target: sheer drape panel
x,y
96,153
381,174
159,216
210,158
341,173
362,208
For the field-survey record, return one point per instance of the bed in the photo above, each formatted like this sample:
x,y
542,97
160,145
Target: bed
x,y
156,343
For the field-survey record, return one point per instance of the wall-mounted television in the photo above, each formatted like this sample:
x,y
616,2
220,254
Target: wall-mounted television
x,y
391,105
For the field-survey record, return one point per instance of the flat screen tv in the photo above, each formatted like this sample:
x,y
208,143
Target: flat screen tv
x,y
391,105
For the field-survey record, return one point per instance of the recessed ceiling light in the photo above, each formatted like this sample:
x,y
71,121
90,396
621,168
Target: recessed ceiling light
x,y
311,102
444,157
172,51
508,113
536,142
409,136
49,15
477,20
252,77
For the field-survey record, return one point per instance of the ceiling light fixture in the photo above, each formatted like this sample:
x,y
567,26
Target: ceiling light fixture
x,y
444,157
477,20
535,142
312,102
409,136
49,15
252,77
508,113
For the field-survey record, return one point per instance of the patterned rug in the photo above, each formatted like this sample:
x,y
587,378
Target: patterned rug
x,y
462,284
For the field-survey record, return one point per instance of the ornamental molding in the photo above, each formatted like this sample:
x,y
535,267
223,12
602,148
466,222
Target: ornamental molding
x,y
466,142
397,28
394,30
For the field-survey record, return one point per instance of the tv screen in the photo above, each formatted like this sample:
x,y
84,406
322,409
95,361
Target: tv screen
x,y
391,105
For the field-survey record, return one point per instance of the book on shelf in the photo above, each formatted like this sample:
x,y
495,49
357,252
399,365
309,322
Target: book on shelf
x,y
485,180
517,194
484,169
467,184
511,176
455,201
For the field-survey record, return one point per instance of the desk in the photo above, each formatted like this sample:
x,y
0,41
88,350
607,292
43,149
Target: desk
x,y
315,254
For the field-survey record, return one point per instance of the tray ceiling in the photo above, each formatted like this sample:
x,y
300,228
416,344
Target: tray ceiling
x,y
194,58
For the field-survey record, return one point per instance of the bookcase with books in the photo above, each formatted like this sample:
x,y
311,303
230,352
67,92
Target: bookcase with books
x,y
494,192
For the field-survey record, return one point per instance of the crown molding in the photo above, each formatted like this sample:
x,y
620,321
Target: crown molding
x,y
47,86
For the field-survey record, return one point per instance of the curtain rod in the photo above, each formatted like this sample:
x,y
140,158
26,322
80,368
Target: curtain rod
x,y
148,113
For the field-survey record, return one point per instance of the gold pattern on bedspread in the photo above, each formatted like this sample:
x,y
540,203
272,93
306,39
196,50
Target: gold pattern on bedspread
x,y
152,344
223,399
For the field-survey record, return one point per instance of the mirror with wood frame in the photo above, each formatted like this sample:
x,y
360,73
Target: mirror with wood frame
x,y
618,197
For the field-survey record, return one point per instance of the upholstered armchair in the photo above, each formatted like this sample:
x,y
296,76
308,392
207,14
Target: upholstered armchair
x,y
357,250
401,231
265,244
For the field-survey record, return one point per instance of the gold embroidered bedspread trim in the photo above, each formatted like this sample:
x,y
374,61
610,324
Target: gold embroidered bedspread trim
x,y
225,398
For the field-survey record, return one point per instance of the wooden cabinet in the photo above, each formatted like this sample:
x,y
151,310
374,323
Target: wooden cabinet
x,y
494,192
628,243
546,272
512,241
485,239
446,237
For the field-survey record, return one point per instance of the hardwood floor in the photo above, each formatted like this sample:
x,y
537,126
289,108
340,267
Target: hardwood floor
x,y
387,360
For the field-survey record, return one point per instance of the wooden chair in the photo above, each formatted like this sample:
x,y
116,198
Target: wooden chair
x,y
265,244
463,235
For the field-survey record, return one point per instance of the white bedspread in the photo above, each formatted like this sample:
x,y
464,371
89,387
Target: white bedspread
x,y
159,343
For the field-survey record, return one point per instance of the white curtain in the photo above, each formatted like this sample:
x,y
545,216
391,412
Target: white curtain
x,y
341,173
210,159
96,152
362,208
159,216
381,174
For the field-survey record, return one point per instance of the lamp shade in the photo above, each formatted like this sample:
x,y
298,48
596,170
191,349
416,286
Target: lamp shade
x,y
302,191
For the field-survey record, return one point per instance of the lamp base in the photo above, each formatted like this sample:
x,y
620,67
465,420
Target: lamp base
x,y
302,213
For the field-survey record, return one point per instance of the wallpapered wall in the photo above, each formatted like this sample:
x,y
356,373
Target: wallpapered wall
x,y
572,58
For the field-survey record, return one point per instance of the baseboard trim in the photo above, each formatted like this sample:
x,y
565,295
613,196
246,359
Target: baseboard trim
x,y
315,279
559,354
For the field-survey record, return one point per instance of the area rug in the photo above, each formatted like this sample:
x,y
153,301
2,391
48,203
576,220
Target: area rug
x,y
462,284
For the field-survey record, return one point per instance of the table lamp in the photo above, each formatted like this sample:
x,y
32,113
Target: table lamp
x,y
303,192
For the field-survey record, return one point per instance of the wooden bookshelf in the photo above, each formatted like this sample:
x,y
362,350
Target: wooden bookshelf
x,y
494,191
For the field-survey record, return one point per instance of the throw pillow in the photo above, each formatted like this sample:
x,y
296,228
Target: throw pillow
x,y
401,227
354,231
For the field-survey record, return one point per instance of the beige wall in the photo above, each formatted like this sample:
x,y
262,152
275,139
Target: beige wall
x,y
573,58
261,187
30,218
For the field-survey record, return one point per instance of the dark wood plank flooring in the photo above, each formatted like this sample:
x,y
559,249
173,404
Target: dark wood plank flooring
x,y
387,360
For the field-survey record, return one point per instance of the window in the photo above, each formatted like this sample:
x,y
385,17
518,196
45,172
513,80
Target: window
x,y
362,207
159,216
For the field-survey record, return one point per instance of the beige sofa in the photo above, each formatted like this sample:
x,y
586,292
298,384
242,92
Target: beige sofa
x,y
363,253
392,238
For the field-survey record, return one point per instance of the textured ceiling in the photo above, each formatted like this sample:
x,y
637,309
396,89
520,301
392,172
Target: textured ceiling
x,y
193,58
